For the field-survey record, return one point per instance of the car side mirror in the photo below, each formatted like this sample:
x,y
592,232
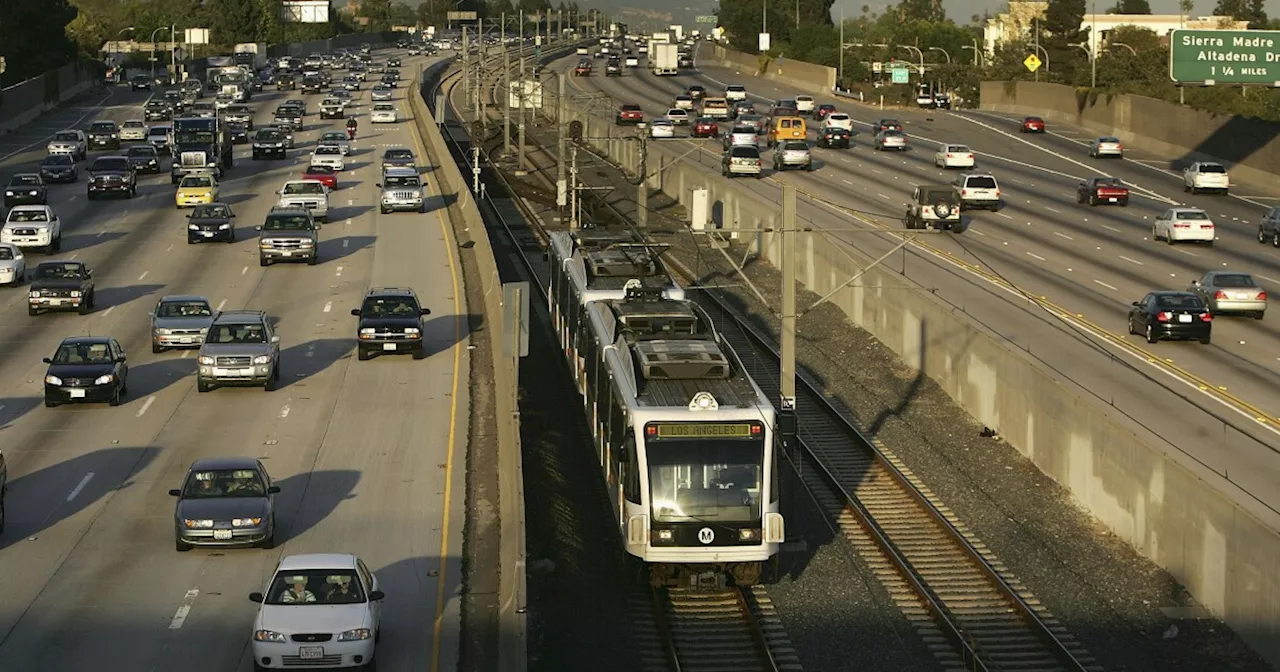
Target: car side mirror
x,y
425,311
233,216
122,358
378,185
275,339
377,595
273,490
47,360
175,492
1136,304
1195,283
256,597
257,228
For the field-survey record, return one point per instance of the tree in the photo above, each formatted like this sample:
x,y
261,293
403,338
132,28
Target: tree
x,y
1133,7
33,37
232,21
921,10
1062,19
402,15
378,13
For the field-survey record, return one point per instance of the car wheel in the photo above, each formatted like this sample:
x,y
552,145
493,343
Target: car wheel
x,y
1262,236
421,352
32,311
1169,238
1258,315
1128,323
49,403
384,211
155,349
84,307
1206,340
1275,239
202,386
1185,188
1155,233
114,400
270,542
181,547
262,261
364,355
1151,335
313,260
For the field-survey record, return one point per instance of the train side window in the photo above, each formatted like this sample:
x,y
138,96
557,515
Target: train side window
x,y
617,423
774,485
630,471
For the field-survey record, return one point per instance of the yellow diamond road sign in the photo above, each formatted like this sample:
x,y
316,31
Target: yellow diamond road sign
x,y
1032,63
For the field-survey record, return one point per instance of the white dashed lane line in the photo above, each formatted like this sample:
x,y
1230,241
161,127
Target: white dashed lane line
x,y
1132,261
1063,235
1111,287
80,486
146,405
1036,256
220,305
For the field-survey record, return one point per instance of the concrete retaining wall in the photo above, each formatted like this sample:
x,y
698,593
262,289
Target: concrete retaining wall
x,y
1179,519
1249,147
23,102
804,76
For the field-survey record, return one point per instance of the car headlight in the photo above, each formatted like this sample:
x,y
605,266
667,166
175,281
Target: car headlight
x,y
34,295
8,193
411,330
104,380
222,227
52,380
354,635
164,332
75,293
207,361
245,522
269,636
262,359
34,193
192,227
198,523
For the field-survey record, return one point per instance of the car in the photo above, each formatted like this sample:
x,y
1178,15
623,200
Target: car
x,y
632,62
332,108
630,113
158,137
352,82
741,136
241,349
59,168
888,125
1171,316
69,141
338,138
792,154
978,190
942,101
401,190
381,92
1269,227
180,322
25,189
1205,176
209,110
270,142
86,369
211,222
741,160
1177,225
32,227
390,321
384,113
104,134
662,128
398,157
65,285
325,175
13,265
225,501
196,189
805,104
683,102
1231,292
583,69
837,120
739,108
924,99
820,112
144,158
678,116
886,140
318,607
157,110
223,101
752,120
735,92
238,131
953,156
133,130
935,206
239,114
393,62
1100,189
112,175
310,195
613,68
705,127
1032,125
139,83
834,137
328,155
289,233
1106,146
696,91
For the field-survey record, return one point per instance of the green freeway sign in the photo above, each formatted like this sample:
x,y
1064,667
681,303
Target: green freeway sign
x,y
901,75
1225,56
705,19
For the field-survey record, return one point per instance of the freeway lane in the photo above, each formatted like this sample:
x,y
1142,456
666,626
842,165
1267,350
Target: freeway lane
x,y
361,449
1092,261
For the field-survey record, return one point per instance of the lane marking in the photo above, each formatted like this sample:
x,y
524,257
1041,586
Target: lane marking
x,y
998,214
144,273
1029,254
1111,287
1132,261
1045,207
224,301
80,486
111,308
180,616
1109,228
246,268
1056,233
328,305
146,404
339,270
185,353
284,412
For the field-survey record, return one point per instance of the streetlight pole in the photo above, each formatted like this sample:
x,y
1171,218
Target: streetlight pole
x,y
944,53
918,53
764,16
975,53
153,49
1122,44
117,58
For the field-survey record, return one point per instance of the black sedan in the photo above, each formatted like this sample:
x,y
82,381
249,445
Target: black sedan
x,y
25,189
90,369
139,83
144,158
211,222
1171,316
239,132
834,137
225,501
59,168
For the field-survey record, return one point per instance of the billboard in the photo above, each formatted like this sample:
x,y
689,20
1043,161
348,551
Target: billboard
x,y
305,11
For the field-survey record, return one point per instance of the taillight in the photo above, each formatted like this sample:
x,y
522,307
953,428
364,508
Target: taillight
x,y
970,157
997,193
1206,317
948,155
964,192
1219,294
1163,316
1119,146
1262,296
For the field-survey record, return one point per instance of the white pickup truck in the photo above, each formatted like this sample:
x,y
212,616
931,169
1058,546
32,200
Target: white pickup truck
x,y
309,194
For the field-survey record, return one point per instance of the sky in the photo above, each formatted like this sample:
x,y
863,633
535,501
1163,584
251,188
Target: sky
x,y
961,10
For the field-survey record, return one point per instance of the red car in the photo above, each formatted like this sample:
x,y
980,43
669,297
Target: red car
x,y
1097,190
583,69
323,174
630,113
1033,125
706,127
823,110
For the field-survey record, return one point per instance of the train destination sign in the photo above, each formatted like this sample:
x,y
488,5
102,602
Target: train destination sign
x,y
701,430
1225,56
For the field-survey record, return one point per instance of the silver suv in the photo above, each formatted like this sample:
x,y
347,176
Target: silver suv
x,y
401,190
289,234
792,154
1269,227
241,349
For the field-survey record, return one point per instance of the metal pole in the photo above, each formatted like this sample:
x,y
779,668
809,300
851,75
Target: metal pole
x,y
787,378
548,41
475,169
1036,21
480,75
573,190
1093,47
562,110
764,16
466,59
840,72
506,89
642,203
520,128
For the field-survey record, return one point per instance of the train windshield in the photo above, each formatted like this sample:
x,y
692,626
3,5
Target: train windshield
x,y
706,480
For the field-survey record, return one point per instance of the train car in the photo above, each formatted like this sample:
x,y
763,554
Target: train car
x,y
685,440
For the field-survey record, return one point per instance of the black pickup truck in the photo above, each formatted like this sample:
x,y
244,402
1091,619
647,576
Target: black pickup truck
x,y
64,285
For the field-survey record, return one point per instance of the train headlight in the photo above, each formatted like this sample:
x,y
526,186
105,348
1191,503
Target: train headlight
x,y
703,401
748,534
663,536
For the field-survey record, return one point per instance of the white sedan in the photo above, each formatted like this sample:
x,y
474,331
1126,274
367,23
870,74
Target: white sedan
x,y
662,128
133,130
13,265
1178,225
328,155
384,113
678,116
322,609
953,156
838,120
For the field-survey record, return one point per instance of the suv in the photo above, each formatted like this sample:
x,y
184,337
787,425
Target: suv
x,y
157,110
401,190
741,160
1269,227
104,135
978,190
268,142
289,234
792,154
390,321
934,206
398,157
240,349
112,174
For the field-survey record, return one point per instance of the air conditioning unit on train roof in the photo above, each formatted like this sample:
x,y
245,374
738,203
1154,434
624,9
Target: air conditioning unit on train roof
x,y
619,263
682,360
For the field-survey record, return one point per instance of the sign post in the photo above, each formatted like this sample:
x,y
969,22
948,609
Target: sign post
x,y
1225,56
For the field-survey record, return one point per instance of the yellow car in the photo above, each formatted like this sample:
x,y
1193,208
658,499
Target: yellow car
x,y
196,190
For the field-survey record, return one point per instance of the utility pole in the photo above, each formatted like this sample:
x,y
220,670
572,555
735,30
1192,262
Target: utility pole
x,y
573,191
562,110
642,203
480,115
466,62
548,40
787,379
520,128
506,90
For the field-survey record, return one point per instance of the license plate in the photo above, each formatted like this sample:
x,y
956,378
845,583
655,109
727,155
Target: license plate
x,y
209,234
222,534
55,302
1184,318
1112,200
388,346
286,254
244,372
185,339
310,652
77,394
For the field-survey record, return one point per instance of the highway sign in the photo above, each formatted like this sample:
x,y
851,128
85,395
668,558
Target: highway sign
x,y
1032,62
901,76
1225,56
705,19
877,67
460,16
764,42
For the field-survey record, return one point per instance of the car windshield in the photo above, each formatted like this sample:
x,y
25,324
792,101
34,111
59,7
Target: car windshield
x,y
1108,140
19,180
134,124
142,151
959,149
744,153
402,181
56,271
121,165
1234,280
28,216
1110,182
316,586
237,333
67,137
192,182
82,353
1212,168
269,136
888,135
939,196
1196,215
224,483
1189,301
384,107
287,223
294,188
103,127
795,147
389,307
333,137
159,132
320,170
211,211
838,116
6,254
398,154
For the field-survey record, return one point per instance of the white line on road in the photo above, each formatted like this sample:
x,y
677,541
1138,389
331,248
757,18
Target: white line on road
x,y
345,243
144,274
1063,235
180,616
1111,287
184,354
73,256
1267,278
1053,209
80,486
845,181
1189,254
108,311
1132,261
1001,214
339,270
220,305
1035,256
146,404
284,412
978,232
167,249
1,407
881,195
328,306
244,270
1112,228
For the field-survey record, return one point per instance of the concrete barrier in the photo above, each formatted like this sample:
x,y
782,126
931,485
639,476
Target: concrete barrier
x,y
807,77
1250,148
23,102
1177,517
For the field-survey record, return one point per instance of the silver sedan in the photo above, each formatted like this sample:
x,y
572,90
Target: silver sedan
x,y
891,139
1106,146
1231,292
382,92
180,322
336,138
13,265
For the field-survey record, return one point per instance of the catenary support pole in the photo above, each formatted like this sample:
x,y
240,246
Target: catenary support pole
x,y
787,377
506,89
521,149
